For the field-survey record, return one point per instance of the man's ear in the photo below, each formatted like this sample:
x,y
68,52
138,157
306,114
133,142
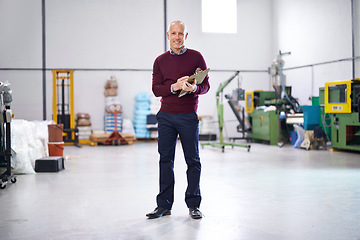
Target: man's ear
x,y
168,37
186,35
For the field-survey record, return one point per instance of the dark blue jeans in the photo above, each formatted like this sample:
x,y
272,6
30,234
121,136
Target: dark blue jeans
x,y
186,126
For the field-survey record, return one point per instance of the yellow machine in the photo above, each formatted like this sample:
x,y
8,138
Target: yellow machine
x,y
63,104
342,101
338,97
249,103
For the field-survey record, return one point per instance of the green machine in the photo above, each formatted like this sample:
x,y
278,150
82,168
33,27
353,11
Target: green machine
x,y
342,102
267,109
220,112
264,124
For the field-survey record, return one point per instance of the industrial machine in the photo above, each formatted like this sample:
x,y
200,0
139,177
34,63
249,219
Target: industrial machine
x,y
257,98
268,123
234,99
264,124
5,134
63,104
284,101
342,102
220,112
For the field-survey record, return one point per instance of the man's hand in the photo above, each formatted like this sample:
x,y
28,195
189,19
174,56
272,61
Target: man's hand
x,y
180,83
189,87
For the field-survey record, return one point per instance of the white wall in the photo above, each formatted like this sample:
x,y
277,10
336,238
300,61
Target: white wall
x,y
315,31
129,34
79,34
20,47
104,34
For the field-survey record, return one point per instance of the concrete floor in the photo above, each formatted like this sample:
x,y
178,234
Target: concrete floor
x,y
268,193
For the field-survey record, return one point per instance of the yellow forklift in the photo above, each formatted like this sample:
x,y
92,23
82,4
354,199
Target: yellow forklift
x,y
63,105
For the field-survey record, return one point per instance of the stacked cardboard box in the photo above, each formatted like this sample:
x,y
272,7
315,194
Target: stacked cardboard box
x,y
112,107
84,126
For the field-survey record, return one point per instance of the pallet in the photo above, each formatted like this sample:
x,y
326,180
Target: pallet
x,y
99,139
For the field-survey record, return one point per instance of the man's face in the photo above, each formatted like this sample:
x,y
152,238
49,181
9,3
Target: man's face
x,y
176,37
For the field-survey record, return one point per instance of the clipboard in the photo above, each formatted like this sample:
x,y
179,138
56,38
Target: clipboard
x,y
199,77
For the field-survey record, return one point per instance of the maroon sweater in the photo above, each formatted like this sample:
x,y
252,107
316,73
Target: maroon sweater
x,y
167,70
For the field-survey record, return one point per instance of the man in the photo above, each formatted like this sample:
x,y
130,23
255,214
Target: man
x,y
178,117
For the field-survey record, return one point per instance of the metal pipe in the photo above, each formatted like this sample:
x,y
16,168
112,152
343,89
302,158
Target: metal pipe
x,y
323,63
312,80
7,155
149,70
353,38
237,70
43,59
77,69
122,70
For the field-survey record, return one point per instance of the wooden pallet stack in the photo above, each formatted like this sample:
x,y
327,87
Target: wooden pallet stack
x,y
99,139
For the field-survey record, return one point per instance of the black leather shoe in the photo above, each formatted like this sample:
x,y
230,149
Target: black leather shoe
x,y
158,212
195,213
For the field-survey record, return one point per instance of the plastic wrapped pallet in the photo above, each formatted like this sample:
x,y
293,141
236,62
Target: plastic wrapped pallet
x,y
111,87
29,141
142,109
128,127
84,126
109,122
84,132
113,104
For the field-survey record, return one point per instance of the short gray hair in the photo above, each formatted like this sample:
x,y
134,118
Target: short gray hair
x,y
180,22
